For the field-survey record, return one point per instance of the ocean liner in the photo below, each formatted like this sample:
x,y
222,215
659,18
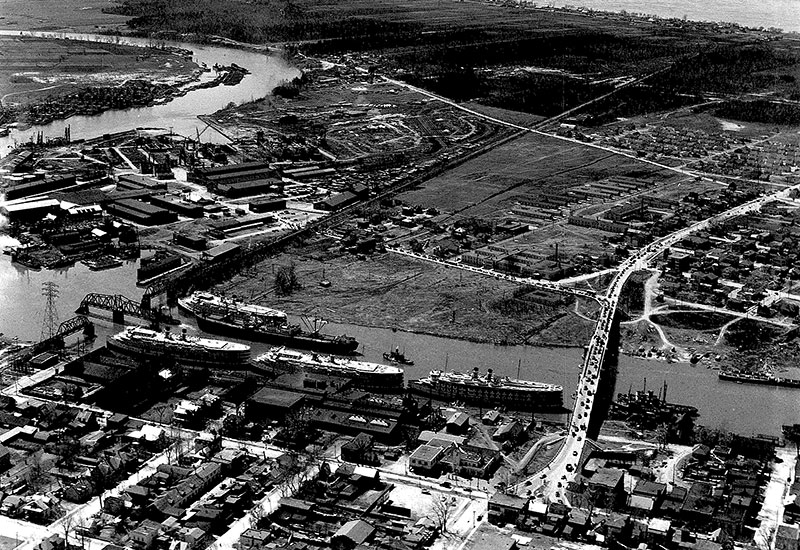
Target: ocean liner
x,y
365,375
490,390
212,303
253,322
183,349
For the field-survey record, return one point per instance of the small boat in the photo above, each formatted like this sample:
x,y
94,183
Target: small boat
x,y
397,357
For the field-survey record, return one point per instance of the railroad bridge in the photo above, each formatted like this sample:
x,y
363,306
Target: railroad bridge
x,y
119,306
68,327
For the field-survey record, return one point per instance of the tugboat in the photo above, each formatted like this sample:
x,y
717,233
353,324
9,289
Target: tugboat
x,y
397,357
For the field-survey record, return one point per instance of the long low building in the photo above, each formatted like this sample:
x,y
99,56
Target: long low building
x,y
248,188
38,187
221,252
182,208
141,212
267,204
135,181
30,210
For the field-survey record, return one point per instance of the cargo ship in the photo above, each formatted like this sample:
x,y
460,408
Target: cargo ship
x,y
185,350
236,321
365,375
763,379
490,390
212,303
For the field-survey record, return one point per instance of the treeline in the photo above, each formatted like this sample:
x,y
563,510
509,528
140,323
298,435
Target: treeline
x,y
638,100
760,110
541,94
579,51
731,69
254,22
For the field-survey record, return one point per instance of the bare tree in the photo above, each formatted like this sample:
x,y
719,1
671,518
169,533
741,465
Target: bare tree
x,y
66,525
662,436
440,510
257,514
36,476
769,534
286,280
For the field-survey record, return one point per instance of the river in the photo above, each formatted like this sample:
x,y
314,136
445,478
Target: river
x,y
180,114
721,404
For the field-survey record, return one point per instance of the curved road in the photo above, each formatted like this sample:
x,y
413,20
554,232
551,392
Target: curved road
x,y
564,466
553,479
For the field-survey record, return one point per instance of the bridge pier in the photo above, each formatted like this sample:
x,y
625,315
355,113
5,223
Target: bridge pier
x,y
146,301
118,316
88,330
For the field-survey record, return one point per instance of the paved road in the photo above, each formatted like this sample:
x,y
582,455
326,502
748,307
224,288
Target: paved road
x,y
563,468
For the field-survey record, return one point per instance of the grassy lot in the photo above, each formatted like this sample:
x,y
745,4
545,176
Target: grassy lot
x,y
391,291
489,185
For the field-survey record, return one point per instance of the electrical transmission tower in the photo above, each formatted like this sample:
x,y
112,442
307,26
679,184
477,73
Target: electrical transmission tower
x,y
50,320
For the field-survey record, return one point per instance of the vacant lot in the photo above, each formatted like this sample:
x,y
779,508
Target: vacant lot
x,y
391,291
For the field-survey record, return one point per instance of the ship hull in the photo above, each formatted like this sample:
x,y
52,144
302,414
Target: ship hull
x,y
530,401
213,359
763,381
276,337
375,382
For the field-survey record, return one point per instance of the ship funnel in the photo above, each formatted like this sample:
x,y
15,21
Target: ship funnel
x,y
489,375
475,373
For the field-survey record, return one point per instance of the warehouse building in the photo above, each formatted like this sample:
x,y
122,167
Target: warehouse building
x,y
221,252
37,187
267,204
141,212
336,202
181,208
133,181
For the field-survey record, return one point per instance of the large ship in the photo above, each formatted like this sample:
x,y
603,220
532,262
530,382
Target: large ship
x,y
365,375
253,322
763,379
490,390
213,303
185,350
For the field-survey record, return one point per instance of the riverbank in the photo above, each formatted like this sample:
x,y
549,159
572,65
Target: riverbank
x,y
46,79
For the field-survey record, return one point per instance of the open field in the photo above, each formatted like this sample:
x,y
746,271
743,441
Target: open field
x,y
392,291
64,15
489,185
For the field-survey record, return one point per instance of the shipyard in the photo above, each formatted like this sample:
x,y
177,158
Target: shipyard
x,y
450,275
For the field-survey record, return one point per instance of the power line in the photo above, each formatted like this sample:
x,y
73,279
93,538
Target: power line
x,y
50,320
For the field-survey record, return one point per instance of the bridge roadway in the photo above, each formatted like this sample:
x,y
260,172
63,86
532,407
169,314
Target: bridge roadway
x,y
552,481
